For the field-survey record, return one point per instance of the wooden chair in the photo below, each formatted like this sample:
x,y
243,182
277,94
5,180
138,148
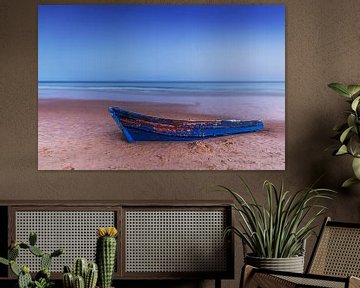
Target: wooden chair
x,y
335,262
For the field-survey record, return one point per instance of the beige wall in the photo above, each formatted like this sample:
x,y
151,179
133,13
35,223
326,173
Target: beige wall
x,y
322,46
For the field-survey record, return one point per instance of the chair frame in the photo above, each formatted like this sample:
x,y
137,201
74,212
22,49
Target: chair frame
x,y
268,278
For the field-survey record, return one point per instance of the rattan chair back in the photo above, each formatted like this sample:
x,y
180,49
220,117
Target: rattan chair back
x,y
337,252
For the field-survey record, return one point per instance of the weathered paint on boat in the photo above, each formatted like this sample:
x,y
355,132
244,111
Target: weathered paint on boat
x,y
138,127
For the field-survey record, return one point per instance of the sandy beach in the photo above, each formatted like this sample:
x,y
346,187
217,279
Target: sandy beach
x,y
81,135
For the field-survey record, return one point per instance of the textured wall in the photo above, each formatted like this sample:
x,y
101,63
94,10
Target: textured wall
x,y
322,46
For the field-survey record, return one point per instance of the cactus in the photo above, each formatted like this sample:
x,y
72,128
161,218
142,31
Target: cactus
x,y
24,277
106,254
14,268
25,269
91,276
68,280
24,245
44,273
4,261
42,278
80,268
57,253
79,282
36,251
67,269
32,238
13,253
90,272
45,261
24,280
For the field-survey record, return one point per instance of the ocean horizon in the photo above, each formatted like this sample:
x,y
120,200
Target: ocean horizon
x,y
200,88
222,98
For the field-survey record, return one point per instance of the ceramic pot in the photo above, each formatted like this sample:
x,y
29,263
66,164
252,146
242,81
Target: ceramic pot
x,y
291,264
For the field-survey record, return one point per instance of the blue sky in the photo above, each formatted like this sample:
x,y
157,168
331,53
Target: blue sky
x,y
161,43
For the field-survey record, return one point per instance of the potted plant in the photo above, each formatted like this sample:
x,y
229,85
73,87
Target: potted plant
x,y
348,132
87,274
276,233
42,278
106,254
84,274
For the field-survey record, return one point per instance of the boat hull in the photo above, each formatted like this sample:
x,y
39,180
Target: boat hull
x,y
138,127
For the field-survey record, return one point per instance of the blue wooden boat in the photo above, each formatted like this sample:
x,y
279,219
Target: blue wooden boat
x,y
138,127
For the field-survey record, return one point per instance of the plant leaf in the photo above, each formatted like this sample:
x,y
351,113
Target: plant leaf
x,y
4,261
356,167
353,89
351,120
354,145
342,150
355,103
345,134
14,268
349,182
340,88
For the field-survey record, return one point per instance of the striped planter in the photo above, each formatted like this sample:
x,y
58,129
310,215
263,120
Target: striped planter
x,y
291,264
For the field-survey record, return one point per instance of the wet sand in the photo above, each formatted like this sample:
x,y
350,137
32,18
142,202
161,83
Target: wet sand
x,y
81,135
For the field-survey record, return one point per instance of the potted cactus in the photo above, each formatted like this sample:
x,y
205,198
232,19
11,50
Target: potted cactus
x,y
42,278
106,254
85,275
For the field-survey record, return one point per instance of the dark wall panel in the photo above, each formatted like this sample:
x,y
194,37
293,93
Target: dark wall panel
x,y
3,238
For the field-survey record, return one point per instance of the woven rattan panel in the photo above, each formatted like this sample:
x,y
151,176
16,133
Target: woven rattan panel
x,y
75,231
311,282
175,241
338,253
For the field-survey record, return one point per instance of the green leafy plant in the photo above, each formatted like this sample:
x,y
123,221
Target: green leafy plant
x,y
43,283
42,278
348,132
279,229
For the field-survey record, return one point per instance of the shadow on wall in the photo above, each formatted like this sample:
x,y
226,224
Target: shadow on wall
x,y
332,170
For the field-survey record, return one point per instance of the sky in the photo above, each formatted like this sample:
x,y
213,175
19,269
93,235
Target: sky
x,y
161,43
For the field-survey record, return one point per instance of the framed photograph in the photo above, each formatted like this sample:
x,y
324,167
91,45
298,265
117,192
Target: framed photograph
x,y
161,87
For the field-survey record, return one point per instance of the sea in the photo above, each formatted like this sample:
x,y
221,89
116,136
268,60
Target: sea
x,y
260,100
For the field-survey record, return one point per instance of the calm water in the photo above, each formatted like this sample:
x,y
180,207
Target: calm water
x,y
265,100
